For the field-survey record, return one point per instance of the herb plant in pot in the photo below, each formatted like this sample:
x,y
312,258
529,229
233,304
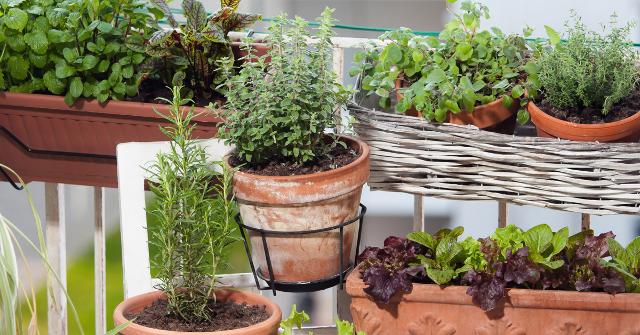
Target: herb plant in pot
x,y
514,282
195,226
292,175
589,86
465,76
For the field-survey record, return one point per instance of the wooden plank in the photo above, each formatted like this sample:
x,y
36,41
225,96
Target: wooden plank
x,y
343,304
56,250
338,68
418,213
586,222
502,214
99,270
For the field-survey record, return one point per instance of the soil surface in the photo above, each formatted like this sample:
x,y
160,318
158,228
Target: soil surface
x,y
150,89
622,110
224,316
337,157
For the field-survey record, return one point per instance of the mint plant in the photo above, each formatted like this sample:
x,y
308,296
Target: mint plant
x,y
279,109
192,53
462,68
195,215
590,69
75,48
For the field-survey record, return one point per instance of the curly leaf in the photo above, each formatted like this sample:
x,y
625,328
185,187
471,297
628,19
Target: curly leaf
x,y
221,15
295,319
423,238
195,13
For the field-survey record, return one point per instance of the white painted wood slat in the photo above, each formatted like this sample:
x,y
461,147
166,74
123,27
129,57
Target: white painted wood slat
x,y
57,252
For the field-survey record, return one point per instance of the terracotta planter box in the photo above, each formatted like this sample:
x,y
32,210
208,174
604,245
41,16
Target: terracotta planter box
x,y
625,130
430,309
43,139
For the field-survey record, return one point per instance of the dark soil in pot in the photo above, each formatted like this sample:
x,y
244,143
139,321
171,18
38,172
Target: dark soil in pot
x,y
223,316
337,157
593,115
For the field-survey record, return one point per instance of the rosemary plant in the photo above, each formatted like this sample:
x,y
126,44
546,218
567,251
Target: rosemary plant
x,y
283,115
195,212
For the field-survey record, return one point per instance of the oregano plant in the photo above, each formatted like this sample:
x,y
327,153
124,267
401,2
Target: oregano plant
x,y
75,48
465,66
191,53
280,104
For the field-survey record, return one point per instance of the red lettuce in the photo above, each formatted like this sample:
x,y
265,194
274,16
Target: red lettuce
x,y
388,270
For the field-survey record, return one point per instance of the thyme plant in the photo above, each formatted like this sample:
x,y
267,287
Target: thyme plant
x,y
195,213
279,109
590,69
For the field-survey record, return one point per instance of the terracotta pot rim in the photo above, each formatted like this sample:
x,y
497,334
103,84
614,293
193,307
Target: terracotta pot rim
x,y
275,317
364,155
536,111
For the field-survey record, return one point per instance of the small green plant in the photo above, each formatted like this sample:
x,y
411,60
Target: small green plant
x,y
195,215
283,115
296,319
463,68
191,53
447,258
75,48
590,69
627,262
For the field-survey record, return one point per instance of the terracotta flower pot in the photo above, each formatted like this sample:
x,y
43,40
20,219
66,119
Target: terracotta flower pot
x,y
299,203
139,302
493,116
44,139
626,130
430,309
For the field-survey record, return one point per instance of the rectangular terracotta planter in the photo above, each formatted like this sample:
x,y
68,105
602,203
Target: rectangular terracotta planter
x,y
430,309
43,139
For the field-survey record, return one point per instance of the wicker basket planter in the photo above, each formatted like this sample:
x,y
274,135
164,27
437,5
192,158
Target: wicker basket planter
x,y
411,155
44,139
430,309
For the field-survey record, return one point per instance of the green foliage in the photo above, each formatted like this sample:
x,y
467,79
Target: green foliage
x,y
195,216
590,69
463,68
447,258
542,243
283,115
626,262
190,54
76,48
296,319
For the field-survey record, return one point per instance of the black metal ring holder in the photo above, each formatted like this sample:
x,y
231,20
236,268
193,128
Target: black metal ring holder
x,y
306,286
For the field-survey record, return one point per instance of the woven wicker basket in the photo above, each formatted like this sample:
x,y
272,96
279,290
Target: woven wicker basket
x,y
411,155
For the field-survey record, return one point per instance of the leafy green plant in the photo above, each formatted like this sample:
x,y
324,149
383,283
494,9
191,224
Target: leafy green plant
x,y
538,258
627,262
463,68
75,48
190,54
448,255
283,115
296,319
590,69
195,216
